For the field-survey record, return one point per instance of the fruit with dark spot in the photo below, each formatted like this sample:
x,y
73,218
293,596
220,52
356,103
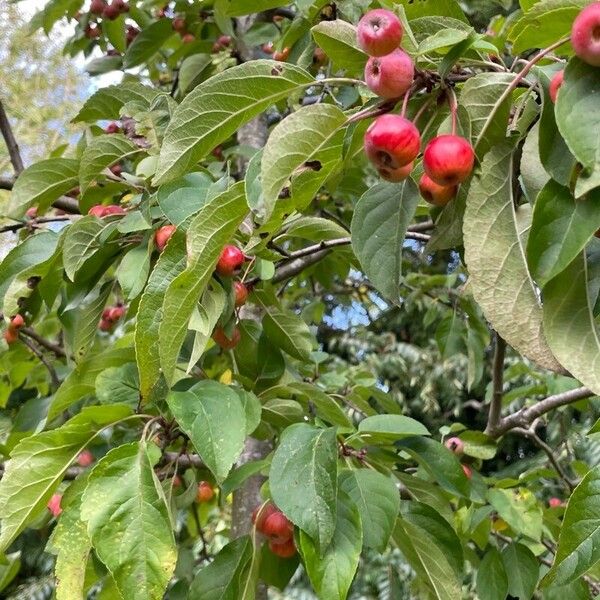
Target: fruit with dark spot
x,y
379,32
392,141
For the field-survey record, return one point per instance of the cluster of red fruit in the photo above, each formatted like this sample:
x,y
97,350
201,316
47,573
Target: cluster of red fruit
x,y
110,315
11,334
457,446
100,8
230,261
275,526
585,39
392,142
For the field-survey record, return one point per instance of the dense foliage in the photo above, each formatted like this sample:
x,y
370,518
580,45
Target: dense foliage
x,y
310,302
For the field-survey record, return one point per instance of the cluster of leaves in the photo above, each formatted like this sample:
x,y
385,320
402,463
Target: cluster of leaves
x,y
162,407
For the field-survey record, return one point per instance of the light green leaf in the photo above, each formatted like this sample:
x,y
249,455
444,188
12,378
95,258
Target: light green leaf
x,y
524,570
428,560
478,445
108,101
9,569
219,106
569,323
118,385
578,96
128,521
519,509
303,479
215,420
338,40
389,428
379,224
71,544
495,257
170,264
184,197
288,331
102,152
81,381
41,184
492,579
301,153
378,502
331,572
533,173
38,464
133,270
148,43
212,227
224,578
444,38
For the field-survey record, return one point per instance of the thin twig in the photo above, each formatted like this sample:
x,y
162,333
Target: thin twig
x,y
32,223
11,142
40,355
54,348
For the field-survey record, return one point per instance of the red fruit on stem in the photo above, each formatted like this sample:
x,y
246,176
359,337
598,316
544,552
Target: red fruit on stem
x,y
85,458
438,195
585,34
121,5
278,527
111,12
205,492
392,141
112,128
555,502
396,175
319,56
93,32
99,210
17,322
113,209
467,471
379,32
178,24
116,170
97,7
285,550
448,159
115,313
188,38
555,84
163,235
230,260
220,337
455,444
390,76
54,505
224,40
176,481
31,213
268,48
10,335
260,514
241,293
281,55
105,325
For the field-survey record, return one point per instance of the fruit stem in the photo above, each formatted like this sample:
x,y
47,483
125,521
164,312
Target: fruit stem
x,y
421,110
453,108
405,102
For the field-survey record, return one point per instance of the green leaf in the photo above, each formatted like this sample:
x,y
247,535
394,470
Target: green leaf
x,y
578,544
191,71
524,570
331,572
492,579
439,462
102,152
83,239
81,381
379,225
427,493
544,23
303,479
444,8
519,509
578,96
301,167
428,560
495,257
41,184
478,445
148,43
489,119
118,385
213,226
224,578
71,544
32,251
236,8
288,331
220,106
569,323
38,464
170,264
389,428
378,502
444,38
107,102
128,521
338,40
215,420
560,229
132,272
533,173
9,569
184,197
